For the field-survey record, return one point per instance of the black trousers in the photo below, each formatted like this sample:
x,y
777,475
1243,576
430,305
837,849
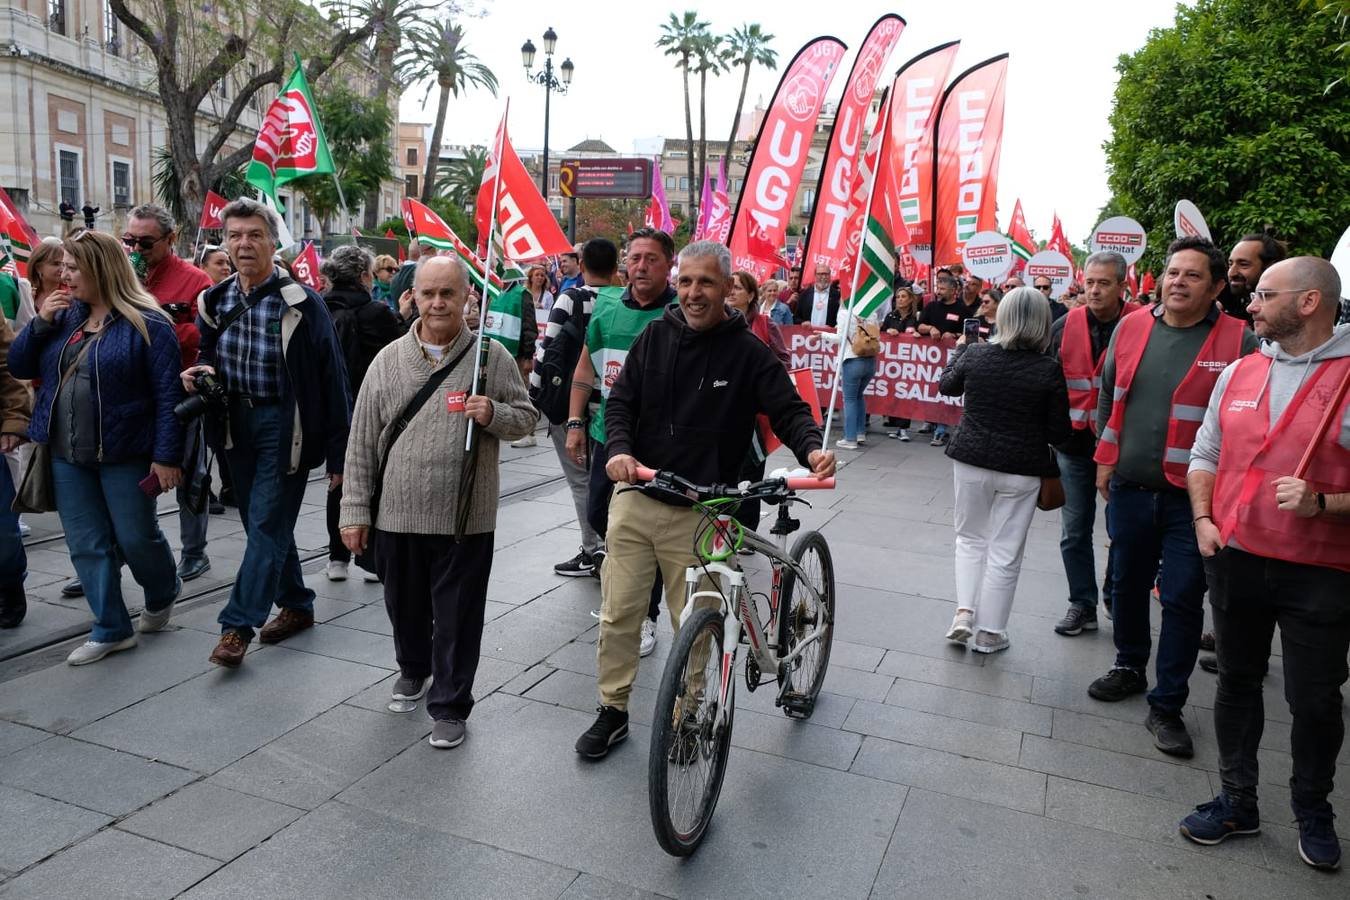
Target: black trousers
x,y
752,470
337,550
598,493
435,591
1250,595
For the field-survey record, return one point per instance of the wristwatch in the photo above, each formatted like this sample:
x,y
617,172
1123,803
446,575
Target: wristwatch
x,y
1321,502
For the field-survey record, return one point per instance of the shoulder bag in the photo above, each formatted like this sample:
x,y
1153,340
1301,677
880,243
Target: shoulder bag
x,y
36,492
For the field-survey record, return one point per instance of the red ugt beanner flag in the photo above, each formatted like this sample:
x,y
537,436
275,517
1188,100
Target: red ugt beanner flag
x,y
969,143
527,226
828,235
306,266
759,226
916,94
211,210
719,220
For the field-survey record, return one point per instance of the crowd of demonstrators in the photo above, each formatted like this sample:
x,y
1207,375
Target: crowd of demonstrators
x,y
558,350
943,319
668,409
108,360
818,304
16,408
1015,408
1156,378
1274,538
1079,341
364,326
270,344
432,507
861,343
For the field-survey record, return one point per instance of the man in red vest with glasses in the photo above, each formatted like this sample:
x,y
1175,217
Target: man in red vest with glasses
x,y
1079,340
1270,491
1157,376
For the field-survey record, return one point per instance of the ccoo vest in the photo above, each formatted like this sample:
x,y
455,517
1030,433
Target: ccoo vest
x,y
1189,400
1254,454
502,321
1082,373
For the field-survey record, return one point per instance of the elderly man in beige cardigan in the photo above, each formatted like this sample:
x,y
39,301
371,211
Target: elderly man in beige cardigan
x,y
435,587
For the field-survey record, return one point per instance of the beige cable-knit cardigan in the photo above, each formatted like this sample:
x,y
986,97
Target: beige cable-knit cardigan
x,y
421,482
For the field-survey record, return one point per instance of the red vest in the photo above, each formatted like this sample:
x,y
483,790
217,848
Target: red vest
x,y
1189,400
1254,454
1082,373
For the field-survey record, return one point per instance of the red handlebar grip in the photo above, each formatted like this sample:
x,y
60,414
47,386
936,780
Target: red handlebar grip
x,y
645,474
810,483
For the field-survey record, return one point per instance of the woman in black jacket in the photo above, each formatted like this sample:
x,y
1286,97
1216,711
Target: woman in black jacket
x,y
902,319
1016,407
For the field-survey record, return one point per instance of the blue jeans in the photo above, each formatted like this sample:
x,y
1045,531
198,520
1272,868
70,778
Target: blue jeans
x,y
13,559
1150,529
108,518
269,503
857,374
1078,474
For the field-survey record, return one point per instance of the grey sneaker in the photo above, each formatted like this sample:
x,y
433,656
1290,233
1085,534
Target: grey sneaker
x,y
154,620
963,626
93,651
446,733
1076,621
990,642
409,688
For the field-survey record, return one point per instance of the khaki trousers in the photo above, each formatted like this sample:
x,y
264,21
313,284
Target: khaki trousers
x,y
644,535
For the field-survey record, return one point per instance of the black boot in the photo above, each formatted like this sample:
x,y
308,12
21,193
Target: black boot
x,y
13,606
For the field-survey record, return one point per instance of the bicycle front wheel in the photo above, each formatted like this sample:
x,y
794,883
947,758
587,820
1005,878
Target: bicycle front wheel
x,y
689,745
802,613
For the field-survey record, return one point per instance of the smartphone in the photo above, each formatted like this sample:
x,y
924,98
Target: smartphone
x,y
150,486
972,330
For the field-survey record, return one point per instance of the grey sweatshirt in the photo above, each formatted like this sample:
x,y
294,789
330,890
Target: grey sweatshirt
x,y
1286,376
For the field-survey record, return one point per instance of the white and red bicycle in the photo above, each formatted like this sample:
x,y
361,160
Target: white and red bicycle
x,y
691,730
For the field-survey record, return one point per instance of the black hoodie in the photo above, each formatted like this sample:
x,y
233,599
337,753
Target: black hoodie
x,y
686,401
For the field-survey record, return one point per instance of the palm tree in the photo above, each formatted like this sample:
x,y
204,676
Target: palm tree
x,y
459,179
680,37
438,53
748,45
707,49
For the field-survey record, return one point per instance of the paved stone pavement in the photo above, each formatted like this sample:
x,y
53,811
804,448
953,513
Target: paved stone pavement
x,y
925,772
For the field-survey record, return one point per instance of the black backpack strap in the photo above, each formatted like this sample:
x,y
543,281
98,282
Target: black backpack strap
x,y
404,418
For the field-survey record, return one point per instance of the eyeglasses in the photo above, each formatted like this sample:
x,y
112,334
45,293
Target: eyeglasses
x,y
1044,287
1261,296
143,243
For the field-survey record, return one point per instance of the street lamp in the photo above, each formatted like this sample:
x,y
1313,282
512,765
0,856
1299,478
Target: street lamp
x,y
550,82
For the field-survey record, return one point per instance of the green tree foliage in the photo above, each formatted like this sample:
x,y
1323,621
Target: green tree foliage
x,y
357,129
1227,108
169,192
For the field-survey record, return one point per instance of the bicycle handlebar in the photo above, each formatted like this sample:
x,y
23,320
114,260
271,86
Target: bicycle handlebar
x,y
792,483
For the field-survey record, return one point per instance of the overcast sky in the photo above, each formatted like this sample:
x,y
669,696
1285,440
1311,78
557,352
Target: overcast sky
x,y
1060,78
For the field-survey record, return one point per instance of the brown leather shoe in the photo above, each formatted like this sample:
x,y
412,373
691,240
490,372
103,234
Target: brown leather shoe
x,y
288,623
230,651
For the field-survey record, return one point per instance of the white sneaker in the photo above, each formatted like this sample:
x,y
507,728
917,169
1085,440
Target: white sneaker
x,y
24,528
336,570
990,642
527,441
93,651
902,435
862,440
368,577
154,621
648,642
963,626
844,444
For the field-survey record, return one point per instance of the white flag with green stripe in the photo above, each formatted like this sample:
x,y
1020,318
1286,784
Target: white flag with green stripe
x,y
877,258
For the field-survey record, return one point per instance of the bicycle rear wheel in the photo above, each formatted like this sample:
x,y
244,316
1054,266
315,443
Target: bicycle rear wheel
x,y
800,613
689,748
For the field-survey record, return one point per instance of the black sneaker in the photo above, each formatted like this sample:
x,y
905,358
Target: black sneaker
x,y
1118,684
1317,843
409,688
610,727
1210,664
597,560
579,566
72,588
214,506
1169,733
1218,820
1076,621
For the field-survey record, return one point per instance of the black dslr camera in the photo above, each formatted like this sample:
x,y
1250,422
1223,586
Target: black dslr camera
x,y
209,397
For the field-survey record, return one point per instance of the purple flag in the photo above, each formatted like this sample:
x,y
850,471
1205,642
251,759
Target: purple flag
x,y
658,213
704,209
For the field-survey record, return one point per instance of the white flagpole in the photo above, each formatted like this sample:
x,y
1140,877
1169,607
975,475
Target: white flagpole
x,y
857,269
487,268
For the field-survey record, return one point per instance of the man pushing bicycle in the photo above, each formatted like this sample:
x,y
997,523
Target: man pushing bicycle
x,y
685,401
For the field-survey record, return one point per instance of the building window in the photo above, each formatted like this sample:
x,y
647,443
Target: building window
x,y
684,182
676,209
553,183
670,182
68,176
412,156
223,88
410,186
56,16
121,183
112,35
808,201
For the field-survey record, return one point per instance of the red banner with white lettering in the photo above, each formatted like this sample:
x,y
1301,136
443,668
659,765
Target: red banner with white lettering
x,y
908,371
828,233
526,224
759,226
917,91
969,144
211,211
306,266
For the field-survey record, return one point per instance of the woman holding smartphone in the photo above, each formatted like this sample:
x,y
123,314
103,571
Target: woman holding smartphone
x,y
109,361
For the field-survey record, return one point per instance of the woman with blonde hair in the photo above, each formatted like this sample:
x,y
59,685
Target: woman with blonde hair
x,y
109,362
779,313
385,268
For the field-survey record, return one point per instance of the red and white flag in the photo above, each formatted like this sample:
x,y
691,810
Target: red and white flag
x,y
1057,240
658,210
527,226
719,218
211,210
306,266
1023,244
969,144
918,90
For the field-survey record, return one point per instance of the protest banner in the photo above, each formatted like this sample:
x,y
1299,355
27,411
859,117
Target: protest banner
x,y
1119,234
1189,222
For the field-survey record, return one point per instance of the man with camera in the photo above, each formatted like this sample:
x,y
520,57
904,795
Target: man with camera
x,y
273,384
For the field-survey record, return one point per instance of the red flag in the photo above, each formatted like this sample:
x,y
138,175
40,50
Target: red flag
x,y
389,233
969,144
17,237
827,232
1132,279
211,210
1024,245
528,228
719,219
1058,241
306,266
918,90
1146,286
759,225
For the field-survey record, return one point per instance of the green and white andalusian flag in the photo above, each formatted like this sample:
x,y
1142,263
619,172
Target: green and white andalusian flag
x,y
291,143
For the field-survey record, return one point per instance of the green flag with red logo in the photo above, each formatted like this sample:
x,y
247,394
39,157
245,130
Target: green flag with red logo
x,y
291,143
